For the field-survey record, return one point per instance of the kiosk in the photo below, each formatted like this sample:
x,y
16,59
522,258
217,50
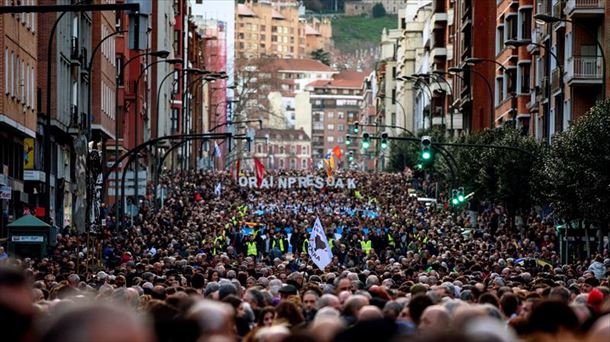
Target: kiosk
x,y
28,237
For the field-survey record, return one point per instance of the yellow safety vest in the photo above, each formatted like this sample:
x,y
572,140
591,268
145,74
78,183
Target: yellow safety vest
x,y
366,246
305,245
391,240
251,247
281,245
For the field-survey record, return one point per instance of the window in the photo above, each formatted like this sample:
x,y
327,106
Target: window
x,y
303,163
331,115
281,163
512,27
6,71
499,89
330,138
340,115
393,119
174,119
523,78
259,148
340,128
340,140
282,150
293,164
330,127
499,39
511,81
525,23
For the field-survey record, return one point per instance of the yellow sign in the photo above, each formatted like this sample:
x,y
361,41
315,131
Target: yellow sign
x,y
28,154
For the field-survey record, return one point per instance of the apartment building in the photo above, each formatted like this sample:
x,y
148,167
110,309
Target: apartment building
x,y
336,105
281,149
20,152
103,79
318,35
271,28
360,7
69,53
567,68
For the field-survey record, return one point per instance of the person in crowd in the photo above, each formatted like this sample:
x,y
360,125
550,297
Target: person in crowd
x,y
208,267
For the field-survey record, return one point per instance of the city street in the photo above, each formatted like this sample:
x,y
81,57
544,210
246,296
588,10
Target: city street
x,y
315,170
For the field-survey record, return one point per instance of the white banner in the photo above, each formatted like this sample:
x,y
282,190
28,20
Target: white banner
x,y
318,248
299,182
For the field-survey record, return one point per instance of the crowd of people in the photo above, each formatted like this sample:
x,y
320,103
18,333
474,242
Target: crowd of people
x,y
222,262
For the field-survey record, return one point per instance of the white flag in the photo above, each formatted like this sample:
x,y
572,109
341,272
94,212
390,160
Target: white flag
x,y
318,248
217,151
218,189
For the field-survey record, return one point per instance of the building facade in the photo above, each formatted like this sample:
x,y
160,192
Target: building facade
x,y
269,28
336,105
20,152
69,54
566,64
280,149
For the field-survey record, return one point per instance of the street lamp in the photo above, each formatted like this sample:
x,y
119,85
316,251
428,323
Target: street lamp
x,y
544,18
421,80
157,53
477,60
137,114
456,70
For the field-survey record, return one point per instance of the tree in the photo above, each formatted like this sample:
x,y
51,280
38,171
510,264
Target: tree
x,y
500,175
378,10
321,55
577,180
255,78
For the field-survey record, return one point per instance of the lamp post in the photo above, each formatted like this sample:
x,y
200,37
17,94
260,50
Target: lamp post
x,y
158,53
456,70
550,19
526,42
476,60
137,114
206,78
417,80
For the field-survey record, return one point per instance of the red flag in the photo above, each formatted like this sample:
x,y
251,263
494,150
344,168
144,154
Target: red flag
x,y
260,172
337,152
237,165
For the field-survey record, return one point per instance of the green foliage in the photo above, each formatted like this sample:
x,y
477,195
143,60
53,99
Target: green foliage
x,y
353,33
500,175
321,55
378,10
577,168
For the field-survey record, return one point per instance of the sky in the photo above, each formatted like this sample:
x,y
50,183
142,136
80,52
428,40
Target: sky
x,y
223,10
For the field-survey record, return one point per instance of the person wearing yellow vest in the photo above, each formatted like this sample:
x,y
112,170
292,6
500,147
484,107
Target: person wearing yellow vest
x,y
278,242
391,241
305,245
366,245
251,249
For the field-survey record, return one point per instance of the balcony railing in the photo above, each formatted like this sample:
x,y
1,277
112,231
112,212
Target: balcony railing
x,y
585,7
584,68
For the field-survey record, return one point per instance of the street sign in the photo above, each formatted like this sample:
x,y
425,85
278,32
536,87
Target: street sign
x,y
6,192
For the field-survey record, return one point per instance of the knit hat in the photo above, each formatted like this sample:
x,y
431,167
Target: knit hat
x,y
595,300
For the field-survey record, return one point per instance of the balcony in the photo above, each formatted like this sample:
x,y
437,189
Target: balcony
x,y
439,20
584,7
555,80
584,70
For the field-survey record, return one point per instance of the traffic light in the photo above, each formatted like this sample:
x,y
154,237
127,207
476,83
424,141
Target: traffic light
x,y
455,197
356,127
461,198
350,156
366,143
384,141
426,148
348,140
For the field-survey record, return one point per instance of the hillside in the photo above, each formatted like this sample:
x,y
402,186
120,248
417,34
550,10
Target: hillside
x,y
352,33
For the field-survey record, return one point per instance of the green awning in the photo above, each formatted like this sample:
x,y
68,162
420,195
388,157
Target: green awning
x,y
29,221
